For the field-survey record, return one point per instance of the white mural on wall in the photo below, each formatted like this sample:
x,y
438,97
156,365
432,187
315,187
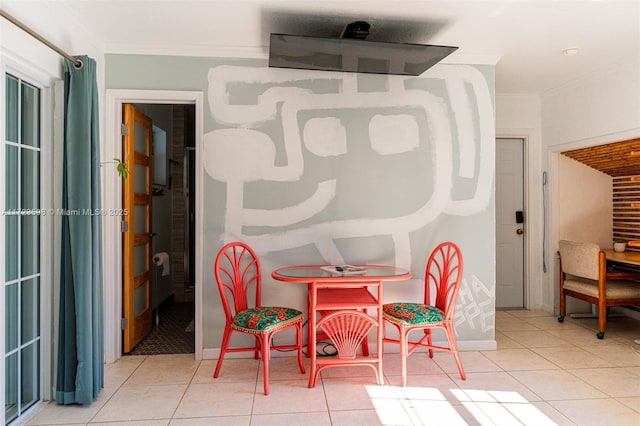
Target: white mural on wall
x,y
475,305
242,154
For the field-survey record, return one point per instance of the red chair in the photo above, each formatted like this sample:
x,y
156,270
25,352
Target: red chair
x,y
444,275
238,273
347,330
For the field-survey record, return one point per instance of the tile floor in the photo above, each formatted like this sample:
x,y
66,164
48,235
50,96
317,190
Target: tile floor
x,y
543,373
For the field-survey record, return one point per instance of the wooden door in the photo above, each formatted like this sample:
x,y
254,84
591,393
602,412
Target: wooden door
x,y
509,233
137,262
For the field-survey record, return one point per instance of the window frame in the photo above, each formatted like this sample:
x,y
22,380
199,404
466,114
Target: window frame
x,y
48,296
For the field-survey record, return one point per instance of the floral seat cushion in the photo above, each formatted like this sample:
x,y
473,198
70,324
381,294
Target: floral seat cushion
x,y
412,313
265,319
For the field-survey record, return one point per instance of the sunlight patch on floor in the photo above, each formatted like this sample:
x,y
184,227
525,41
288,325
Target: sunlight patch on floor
x,y
426,405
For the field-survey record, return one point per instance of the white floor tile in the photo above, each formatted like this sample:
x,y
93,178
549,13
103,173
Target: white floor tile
x,y
158,422
426,412
572,357
597,412
617,354
232,370
216,399
418,363
369,418
513,324
306,419
141,403
472,362
54,414
615,382
353,393
164,370
537,339
494,387
543,373
434,387
518,359
633,403
213,421
285,368
289,396
554,385
504,342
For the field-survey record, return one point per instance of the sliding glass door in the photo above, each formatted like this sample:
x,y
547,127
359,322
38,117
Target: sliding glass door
x,y
22,244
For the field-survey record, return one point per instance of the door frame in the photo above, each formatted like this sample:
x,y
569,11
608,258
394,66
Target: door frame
x,y
553,154
532,292
112,199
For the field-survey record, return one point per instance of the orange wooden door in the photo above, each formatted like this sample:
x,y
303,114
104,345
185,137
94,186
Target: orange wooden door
x,y
137,262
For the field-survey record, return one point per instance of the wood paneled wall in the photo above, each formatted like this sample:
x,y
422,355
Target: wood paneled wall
x,y
626,216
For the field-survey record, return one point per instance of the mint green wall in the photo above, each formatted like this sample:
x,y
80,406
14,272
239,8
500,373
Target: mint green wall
x,y
312,167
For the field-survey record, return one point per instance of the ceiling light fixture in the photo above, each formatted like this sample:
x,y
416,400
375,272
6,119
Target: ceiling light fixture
x,y
571,51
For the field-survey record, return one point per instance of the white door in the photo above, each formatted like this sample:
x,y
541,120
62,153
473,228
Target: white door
x,y
510,223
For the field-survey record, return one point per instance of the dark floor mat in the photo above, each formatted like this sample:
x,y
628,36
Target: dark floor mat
x,y
170,336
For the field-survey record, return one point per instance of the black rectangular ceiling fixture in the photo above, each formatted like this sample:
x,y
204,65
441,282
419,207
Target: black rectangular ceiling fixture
x,y
353,55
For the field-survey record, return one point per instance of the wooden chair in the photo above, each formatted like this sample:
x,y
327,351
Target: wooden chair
x,y
238,273
583,275
444,275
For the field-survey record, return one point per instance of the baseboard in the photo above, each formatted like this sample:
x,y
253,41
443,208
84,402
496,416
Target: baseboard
x,y
582,316
630,312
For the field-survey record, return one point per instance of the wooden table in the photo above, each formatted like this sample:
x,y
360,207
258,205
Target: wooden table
x,y
331,292
627,257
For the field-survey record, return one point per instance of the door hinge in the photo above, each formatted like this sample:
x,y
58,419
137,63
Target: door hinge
x,y
124,129
124,226
124,323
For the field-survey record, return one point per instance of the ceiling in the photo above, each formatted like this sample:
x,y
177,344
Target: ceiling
x,y
613,159
527,37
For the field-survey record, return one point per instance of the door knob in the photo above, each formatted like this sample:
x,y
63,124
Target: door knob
x,y
519,231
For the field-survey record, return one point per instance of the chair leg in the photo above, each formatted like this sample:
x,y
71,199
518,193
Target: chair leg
x,y
299,340
563,306
602,318
404,353
365,347
365,341
256,354
265,361
226,336
451,337
429,342
309,310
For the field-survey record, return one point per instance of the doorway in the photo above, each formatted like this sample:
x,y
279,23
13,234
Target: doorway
x,y
172,222
112,196
510,223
